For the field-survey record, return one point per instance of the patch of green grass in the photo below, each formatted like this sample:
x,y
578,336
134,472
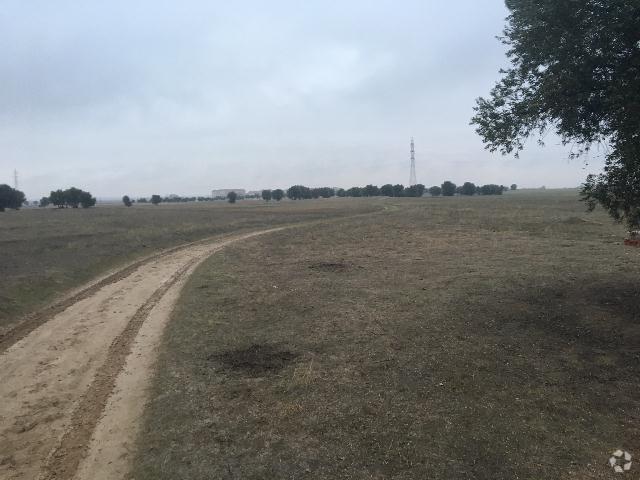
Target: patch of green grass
x,y
480,338
48,251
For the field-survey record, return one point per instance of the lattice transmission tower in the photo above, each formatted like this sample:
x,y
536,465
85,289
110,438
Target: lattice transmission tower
x,y
412,175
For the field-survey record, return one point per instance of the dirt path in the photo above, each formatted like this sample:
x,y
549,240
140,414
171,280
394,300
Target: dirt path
x,y
72,389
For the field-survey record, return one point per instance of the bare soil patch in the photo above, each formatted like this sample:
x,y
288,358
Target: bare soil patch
x,y
255,360
330,266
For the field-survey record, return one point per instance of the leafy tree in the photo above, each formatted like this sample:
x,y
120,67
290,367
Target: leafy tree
x,y
354,192
57,198
72,197
127,201
294,192
398,190
420,188
324,192
10,198
299,192
386,190
341,192
514,186
370,191
267,195
143,200
156,199
277,194
232,196
575,70
86,200
468,188
410,191
44,202
491,189
448,189
435,191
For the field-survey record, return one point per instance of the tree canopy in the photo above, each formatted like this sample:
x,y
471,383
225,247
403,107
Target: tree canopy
x,y
435,191
468,188
10,198
71,197
277,194
448,189
575,70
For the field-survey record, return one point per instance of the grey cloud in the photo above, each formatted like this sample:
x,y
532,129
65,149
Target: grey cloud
x,y
157,96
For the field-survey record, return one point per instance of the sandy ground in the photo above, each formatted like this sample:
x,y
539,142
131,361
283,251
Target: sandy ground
x,y
72,390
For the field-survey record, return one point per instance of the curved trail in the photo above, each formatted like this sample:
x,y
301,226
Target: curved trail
x,y
72,383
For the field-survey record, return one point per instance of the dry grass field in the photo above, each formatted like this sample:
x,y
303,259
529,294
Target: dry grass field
x,y
440,338
48,251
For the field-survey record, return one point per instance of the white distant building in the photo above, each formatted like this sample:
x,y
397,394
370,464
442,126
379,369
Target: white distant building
x,y
223,192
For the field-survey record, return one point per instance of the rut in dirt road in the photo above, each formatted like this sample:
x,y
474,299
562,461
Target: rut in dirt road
x,y
56,381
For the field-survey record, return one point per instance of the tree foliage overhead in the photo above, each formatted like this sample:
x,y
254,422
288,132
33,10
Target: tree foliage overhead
x,y
575,70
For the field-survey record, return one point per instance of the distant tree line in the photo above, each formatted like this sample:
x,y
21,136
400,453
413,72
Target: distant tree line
x,y
447,189
74,197
387,190
300,192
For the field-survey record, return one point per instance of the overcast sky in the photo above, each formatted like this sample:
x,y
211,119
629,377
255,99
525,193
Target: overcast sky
x,y
122,97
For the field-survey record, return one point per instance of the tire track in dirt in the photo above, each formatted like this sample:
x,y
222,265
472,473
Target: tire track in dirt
x,y
56,380
33,320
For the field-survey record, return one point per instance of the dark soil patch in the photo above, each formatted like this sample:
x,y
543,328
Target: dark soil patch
x,y
330,267
255,360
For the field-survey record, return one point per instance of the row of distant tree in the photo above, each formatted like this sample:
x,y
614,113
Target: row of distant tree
x,y
74,197
301,192
447,189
